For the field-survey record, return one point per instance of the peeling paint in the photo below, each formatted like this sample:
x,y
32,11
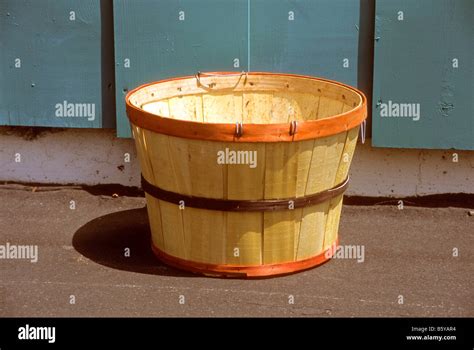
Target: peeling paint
x,y
29,133
445,108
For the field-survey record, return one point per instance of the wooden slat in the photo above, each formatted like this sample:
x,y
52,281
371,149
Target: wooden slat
x,y
205,230
205,235
244,230
329,107
183,107
165,177
160,108
244,233
312,228
220,107
154,216
324,164
325,159
332,223
257,107
335,205
347,155
289,106
153,205
142,148
286,173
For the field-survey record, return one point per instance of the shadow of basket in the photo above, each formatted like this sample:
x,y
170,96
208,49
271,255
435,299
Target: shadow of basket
x,y
105,240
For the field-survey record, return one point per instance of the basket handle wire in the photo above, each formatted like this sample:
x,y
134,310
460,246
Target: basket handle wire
x,y
199,75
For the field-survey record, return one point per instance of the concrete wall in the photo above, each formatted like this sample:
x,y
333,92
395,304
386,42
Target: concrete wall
x,y
91,157
388,172
67,156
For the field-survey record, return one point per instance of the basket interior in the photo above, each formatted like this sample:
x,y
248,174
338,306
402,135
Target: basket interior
x,y
255,98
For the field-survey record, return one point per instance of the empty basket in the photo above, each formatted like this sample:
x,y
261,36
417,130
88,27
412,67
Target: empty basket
x,y
244,173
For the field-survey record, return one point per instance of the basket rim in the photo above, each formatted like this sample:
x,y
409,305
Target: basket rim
x,y
227,132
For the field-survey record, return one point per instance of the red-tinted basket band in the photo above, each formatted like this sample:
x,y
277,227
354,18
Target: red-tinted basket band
x,y
242,271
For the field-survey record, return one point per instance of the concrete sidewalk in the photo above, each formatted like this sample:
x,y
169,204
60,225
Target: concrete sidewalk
x,y
408,253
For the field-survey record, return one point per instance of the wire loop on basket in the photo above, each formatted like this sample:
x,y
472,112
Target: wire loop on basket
x,y
293,127
239,129
198,76
362,130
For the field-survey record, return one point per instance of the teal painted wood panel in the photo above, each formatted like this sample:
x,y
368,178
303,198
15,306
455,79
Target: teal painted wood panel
x,y
424,59
313,37
165,38
52,54
259,33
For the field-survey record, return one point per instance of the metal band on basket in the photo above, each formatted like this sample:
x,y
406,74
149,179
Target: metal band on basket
x,y
243,205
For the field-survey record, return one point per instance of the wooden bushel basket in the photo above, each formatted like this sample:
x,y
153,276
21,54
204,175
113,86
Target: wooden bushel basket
x,y
215,212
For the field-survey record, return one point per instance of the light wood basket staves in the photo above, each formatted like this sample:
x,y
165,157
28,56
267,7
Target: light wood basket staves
x,y
278,217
